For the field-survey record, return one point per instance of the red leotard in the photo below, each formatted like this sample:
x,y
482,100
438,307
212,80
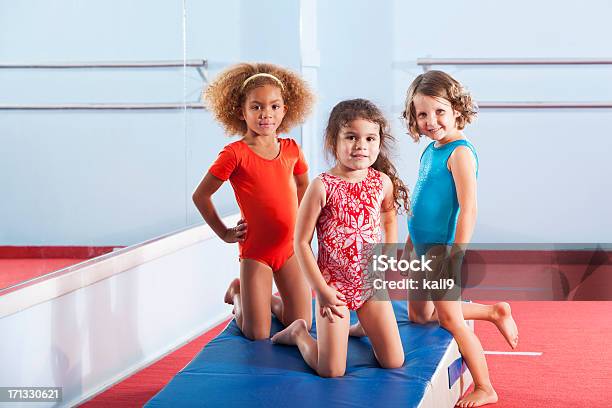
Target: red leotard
x,y
267,197
347,228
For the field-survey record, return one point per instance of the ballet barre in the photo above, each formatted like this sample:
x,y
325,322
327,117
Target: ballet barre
x,y
544,105
428,62
106,106
199,64
196,63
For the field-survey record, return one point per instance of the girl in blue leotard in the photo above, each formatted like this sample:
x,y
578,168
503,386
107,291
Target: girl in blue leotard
x,y
444,214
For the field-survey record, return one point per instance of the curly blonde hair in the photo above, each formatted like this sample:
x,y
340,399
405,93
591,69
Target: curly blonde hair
x,y
347,111
225,96
441,85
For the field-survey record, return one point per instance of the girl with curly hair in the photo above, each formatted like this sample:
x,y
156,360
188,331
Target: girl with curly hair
x,y
269,177
443,217
350,206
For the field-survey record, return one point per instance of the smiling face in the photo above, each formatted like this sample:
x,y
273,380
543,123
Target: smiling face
x,y
358,144
436,118
263,110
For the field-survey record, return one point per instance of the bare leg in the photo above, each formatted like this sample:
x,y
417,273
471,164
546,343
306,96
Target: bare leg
x,y
251,298
378,321
356,330
232,297
295,293
418,312
327,354
451,318
499,314
231,292
276,305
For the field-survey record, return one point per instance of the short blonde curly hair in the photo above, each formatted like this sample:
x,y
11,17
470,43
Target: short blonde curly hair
x,y
225,96
441,85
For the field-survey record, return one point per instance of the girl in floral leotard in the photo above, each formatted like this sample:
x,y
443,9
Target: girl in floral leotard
x,y
351,206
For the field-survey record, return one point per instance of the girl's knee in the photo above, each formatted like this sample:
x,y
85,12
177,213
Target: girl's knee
x,y
256,333
332,371
452,323
396,361
416,317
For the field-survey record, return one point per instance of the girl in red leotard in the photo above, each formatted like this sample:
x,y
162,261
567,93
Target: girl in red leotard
x,y
351,206
269,176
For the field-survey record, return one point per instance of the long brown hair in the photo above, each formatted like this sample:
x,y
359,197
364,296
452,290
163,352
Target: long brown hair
x,y
347,111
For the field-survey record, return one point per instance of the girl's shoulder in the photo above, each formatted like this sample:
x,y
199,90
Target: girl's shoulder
x,y
289,147
325,177
455,144
329,182
288,143
235,146
464,145
383,177
463,152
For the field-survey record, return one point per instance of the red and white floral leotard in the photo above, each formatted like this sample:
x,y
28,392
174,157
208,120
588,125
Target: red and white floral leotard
x,y
347,229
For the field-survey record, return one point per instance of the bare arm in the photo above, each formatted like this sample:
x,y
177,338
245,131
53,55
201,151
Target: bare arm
x,y
301,183
308,213
388,218
463,167
388,214
202,198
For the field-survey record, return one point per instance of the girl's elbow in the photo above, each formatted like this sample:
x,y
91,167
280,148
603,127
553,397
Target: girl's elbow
x,y
299,245
201,200
197,199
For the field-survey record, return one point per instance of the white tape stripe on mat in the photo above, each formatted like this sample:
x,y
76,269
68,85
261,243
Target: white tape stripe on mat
x,y
515,353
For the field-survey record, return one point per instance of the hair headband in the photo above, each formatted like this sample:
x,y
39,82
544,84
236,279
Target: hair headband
x,y
262,74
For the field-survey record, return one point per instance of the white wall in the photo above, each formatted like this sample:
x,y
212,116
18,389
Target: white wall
x,y
543,172
106,177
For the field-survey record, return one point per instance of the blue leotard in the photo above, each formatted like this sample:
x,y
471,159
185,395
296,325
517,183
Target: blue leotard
x,y
435,207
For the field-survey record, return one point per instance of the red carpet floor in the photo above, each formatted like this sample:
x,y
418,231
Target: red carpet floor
x,y
574,369
13,271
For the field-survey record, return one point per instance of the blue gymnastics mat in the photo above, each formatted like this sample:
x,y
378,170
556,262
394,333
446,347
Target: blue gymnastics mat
x,y
232,371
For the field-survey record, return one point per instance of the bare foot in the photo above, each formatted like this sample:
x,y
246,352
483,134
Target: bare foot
x,y
480,396
502,317
232,290
277,307
289,334
356,330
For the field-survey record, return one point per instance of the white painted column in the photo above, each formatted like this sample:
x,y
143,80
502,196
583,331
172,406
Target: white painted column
x,y
310,62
